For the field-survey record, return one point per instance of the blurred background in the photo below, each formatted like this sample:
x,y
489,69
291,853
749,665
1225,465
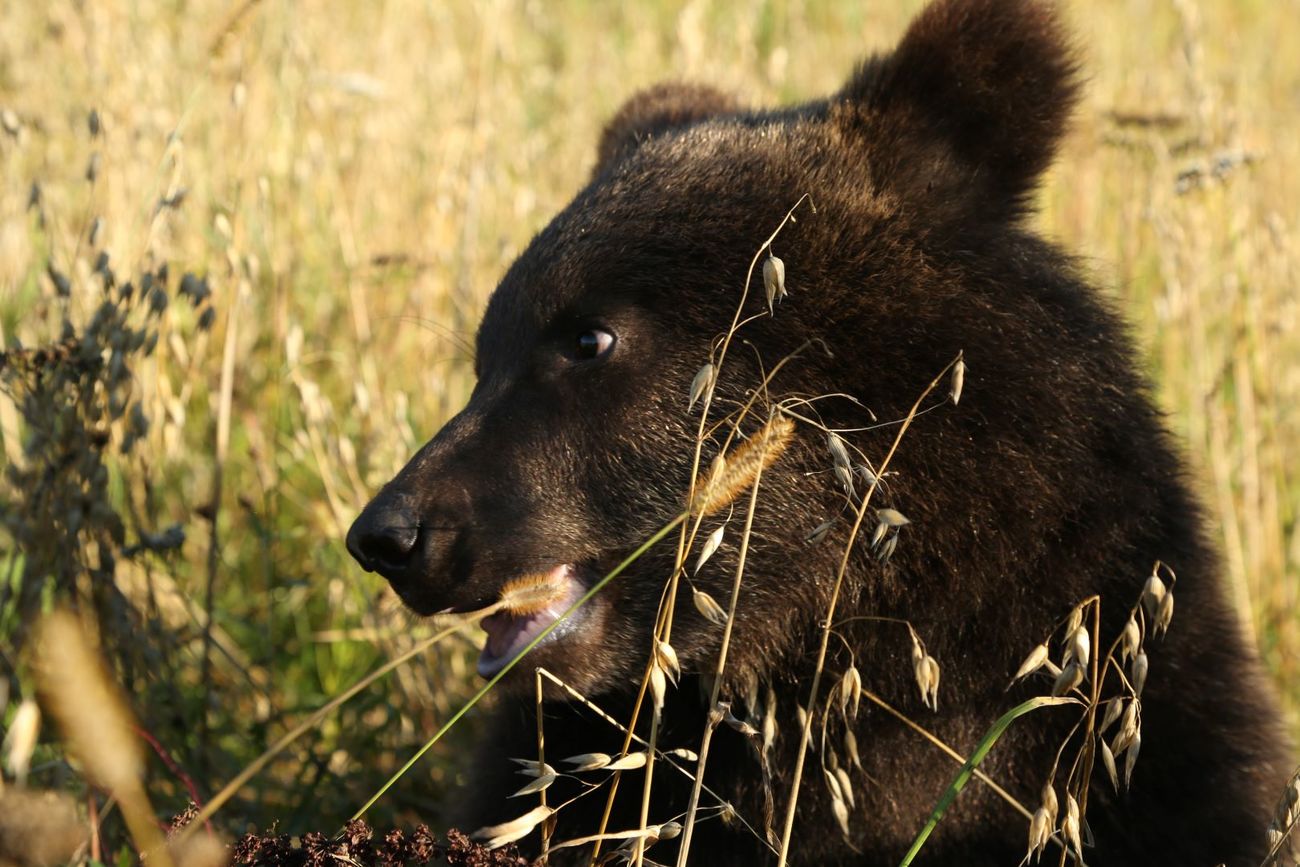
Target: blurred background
x,y
244,246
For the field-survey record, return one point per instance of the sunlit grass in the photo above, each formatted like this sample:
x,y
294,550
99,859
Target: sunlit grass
x,y
352,178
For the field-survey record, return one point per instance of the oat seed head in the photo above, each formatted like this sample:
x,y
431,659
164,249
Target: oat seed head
x,y
1040,832
710,547
773,280
495,836
958,380
1069,678
1032,663
702,382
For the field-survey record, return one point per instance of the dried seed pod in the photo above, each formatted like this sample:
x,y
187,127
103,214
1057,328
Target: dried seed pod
x,y
708,606
587,761
819,532
1128,729
1131,641
658,685
851,748
700,384
1049,802
1152,594
1075,621
844,476
736,723
832,783
629,762
1069,678
1081,646
1040,832
839,453
927,673
1070,827
1108,760
1032,663
667,658
878,536
1165,613
1114,708
773,280
841,811
846,786
892,518
851,690
495,836
887,549
541,784
711,545
1138,673
1131,759
958,380
769,731
530,767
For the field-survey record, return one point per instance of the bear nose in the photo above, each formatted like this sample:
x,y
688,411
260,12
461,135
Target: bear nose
x,y
383,538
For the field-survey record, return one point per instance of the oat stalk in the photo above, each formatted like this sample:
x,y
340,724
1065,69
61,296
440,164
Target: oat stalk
x,y
693,804
311,721
664,623
829,619
465,708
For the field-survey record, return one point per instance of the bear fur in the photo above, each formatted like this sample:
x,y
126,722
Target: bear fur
x,y
1053,480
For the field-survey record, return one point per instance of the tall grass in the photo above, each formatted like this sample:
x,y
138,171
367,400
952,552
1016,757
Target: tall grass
x,y
351,179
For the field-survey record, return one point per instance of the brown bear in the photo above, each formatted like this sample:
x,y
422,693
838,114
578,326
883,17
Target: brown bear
x,y
1050,481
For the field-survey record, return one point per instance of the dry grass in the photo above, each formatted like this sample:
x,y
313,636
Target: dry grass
x,y
351,180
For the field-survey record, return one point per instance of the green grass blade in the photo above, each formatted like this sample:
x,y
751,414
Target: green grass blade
x,y
968,769
455,718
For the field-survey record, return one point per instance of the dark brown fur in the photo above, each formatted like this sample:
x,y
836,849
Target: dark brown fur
x,y
1053,480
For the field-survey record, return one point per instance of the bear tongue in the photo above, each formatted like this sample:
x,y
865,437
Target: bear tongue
x,y
504,630
508,634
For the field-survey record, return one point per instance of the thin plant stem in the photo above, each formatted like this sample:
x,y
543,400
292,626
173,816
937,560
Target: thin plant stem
x,y
311,722
664,622
693,804
830,615
968,768
541,760
582,600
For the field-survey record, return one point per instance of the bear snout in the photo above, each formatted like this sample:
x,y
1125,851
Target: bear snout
x,y
382,538
394,538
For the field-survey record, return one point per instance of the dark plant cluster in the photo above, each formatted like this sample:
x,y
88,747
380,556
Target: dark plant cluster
x,y
359,845
83,416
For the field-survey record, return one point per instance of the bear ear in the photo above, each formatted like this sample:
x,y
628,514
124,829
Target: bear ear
x,y
969,108
656,110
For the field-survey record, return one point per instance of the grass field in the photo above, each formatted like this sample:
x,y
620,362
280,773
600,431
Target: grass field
x,y
349,179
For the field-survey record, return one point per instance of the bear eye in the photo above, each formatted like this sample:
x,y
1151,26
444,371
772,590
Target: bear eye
x,y
592,343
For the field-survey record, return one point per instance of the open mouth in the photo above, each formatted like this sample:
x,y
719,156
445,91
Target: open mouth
x,y
531,604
